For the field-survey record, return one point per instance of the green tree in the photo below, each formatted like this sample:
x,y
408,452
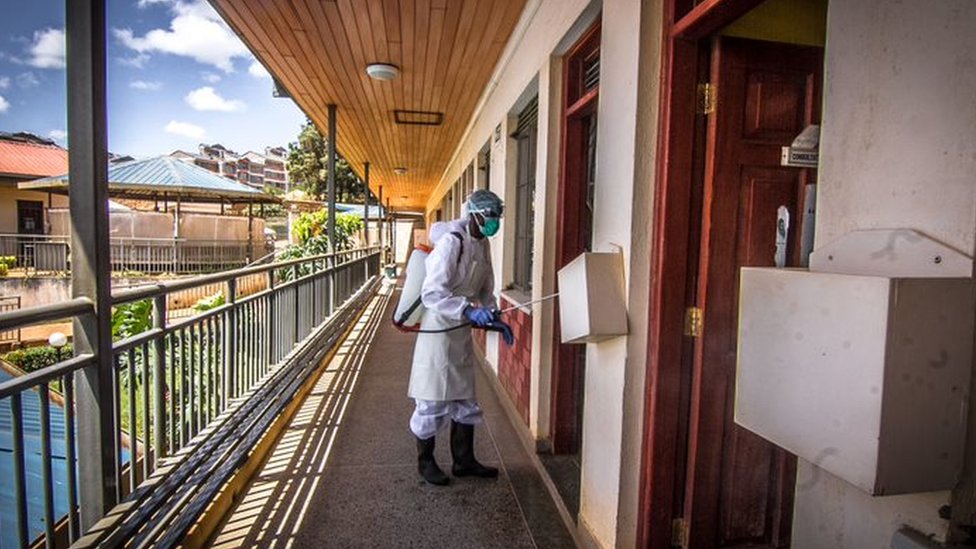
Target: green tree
x,y
308,168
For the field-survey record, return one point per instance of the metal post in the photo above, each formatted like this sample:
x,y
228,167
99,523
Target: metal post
x,y
159,382
331,169
380,226
250,229
392,225
366,206
90,262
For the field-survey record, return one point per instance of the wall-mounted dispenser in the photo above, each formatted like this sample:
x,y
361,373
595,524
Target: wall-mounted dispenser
x,y
862,365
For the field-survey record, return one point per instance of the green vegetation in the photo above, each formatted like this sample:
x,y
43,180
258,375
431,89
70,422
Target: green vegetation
x,y
131,319
32,359
211,302
8,261
308,163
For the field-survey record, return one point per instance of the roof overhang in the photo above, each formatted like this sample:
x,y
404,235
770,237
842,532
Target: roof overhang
x,y
445,51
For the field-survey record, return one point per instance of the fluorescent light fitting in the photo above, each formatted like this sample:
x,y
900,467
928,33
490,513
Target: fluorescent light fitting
x,y
400,170
382,71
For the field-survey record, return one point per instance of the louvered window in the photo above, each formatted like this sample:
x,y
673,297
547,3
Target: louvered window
x,y
524,207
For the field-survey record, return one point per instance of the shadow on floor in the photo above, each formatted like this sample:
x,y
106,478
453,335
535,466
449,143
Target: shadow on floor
x,y
344,472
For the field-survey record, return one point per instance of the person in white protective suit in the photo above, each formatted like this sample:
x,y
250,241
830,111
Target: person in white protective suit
x,y
458,290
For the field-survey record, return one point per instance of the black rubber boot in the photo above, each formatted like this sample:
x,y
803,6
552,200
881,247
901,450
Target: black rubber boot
x,y
427,466
462,449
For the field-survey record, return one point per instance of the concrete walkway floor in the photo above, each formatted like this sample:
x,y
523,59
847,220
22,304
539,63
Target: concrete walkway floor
x,y
344,472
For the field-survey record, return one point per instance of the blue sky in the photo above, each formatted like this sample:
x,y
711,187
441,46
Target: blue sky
x,y
177,77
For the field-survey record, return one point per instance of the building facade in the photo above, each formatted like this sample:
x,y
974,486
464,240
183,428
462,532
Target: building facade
x,y
600,135
655,132
251,168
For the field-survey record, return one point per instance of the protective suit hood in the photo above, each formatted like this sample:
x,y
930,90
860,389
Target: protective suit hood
x,y
441,228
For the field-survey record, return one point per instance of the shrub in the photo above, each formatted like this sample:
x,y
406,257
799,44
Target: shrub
x,y
8,261
34,358
211,302
130,319
3,269
315,224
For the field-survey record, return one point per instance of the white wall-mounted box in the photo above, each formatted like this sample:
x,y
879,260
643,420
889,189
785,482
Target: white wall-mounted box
x,y
865,376
592,306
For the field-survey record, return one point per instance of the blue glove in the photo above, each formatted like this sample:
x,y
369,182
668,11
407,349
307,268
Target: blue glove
x,y
506,332
479,316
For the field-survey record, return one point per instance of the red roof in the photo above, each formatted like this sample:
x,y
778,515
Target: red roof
x,y
30,160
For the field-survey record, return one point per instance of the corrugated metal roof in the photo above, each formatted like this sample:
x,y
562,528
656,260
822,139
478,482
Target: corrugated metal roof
x,y
30,160
164,176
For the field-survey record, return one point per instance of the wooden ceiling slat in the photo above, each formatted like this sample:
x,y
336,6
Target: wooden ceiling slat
x,y
446,51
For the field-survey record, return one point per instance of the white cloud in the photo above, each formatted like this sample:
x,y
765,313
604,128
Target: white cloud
x,y
4,82
257,70
27,80
185,129
196,32
4,105
57,135
210,77
206,99
147,3
145,86
47,49
138,60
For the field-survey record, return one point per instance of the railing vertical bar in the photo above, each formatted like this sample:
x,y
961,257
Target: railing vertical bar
x,y
269,322
212,356
146,418
230,345
117,404
159,381
46,473
203,351
67,383
251,347
171,447
133,442
20,475
194,370
184,390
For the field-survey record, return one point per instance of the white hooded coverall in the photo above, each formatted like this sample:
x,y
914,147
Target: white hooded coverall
x,y
443,372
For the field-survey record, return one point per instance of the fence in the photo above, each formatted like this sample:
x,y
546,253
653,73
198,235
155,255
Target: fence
x,y
9,303
178,387
48,253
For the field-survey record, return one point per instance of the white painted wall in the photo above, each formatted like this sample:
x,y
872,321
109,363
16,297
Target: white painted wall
x,y
897,151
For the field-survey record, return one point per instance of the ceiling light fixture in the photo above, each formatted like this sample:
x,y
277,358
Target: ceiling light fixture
x,y
382,71
400,170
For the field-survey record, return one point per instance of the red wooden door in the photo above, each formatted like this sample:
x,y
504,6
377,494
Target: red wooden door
x,y
739,487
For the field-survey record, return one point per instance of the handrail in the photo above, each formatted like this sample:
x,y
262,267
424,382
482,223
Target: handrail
x,y
152,290
46,313
20,384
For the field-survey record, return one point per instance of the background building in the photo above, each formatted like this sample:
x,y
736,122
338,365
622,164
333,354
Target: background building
x,y
251,168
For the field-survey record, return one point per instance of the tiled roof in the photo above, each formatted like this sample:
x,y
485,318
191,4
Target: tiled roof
x,y
31,160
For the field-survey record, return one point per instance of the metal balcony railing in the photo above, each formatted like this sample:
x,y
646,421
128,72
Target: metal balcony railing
x,y
50,253
183,390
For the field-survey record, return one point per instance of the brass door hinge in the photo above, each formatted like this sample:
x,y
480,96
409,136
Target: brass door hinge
x,y
679,533
693,322
706,98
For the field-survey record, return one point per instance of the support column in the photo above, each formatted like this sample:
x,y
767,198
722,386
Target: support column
x,y
366,205
250,231
380,226
331,169
90,264
389,214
